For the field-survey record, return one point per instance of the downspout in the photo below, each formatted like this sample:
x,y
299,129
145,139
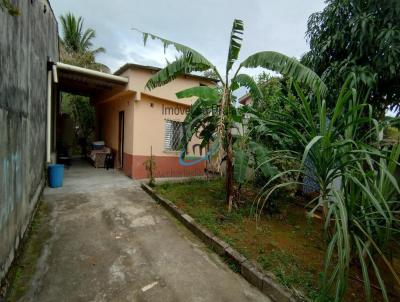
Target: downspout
x,y
49,95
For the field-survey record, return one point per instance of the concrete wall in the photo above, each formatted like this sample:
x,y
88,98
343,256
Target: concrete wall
x,y
25,43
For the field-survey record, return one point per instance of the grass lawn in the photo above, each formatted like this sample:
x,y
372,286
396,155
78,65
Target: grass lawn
x,y
287,244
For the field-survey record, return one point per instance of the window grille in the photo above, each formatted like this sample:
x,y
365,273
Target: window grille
x,y
173,135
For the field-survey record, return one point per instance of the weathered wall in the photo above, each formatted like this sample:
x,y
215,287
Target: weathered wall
x,y
25,43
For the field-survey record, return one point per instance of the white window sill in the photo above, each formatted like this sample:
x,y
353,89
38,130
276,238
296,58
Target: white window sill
x,y
172,152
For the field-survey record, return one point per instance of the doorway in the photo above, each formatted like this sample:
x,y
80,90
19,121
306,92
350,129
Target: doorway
x,y
121,128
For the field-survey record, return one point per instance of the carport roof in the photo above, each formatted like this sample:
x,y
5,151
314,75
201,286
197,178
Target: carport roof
x,y
88,82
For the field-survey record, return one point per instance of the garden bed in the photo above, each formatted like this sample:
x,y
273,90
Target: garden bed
x,y
287,243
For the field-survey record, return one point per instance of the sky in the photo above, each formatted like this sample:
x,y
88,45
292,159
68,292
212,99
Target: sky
x,y
204,25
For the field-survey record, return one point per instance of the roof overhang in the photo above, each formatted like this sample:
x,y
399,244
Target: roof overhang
x,y
88,82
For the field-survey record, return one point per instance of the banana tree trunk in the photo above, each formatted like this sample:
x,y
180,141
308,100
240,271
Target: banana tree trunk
x,y
229,152
229,170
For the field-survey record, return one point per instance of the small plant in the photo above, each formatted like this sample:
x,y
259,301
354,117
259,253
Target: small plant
x,y
150,166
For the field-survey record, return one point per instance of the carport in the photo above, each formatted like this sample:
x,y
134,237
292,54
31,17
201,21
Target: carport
x,y
76,80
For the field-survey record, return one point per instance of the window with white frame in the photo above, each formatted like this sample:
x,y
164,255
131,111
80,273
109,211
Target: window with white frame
x,y
173,135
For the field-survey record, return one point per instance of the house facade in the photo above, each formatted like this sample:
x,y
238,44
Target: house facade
x,y
136,123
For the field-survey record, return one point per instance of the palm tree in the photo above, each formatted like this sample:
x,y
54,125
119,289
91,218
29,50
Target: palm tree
x,y
76,44
220,126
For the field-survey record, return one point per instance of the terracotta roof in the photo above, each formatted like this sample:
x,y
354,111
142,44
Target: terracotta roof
x,y
244,98
132,65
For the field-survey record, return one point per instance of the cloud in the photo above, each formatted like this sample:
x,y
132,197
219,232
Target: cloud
x,y
204,25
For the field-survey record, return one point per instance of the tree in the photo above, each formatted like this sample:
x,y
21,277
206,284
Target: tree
x,y
76,44
219,125
11,9
362,37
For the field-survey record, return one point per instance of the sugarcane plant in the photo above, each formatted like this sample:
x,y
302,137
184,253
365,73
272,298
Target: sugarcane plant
x,y
343,152
213,115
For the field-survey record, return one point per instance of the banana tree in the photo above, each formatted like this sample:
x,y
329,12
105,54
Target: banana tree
x,y
219,124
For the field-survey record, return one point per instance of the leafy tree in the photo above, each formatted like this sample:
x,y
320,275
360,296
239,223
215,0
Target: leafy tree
x,y
11,9
359,36
219,123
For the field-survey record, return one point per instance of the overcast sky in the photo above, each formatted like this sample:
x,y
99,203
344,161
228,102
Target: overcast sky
x,y
203,25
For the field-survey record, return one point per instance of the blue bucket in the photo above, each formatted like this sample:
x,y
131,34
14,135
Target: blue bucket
x,y
56,175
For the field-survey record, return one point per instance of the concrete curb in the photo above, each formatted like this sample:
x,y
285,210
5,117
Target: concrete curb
x,y
264,281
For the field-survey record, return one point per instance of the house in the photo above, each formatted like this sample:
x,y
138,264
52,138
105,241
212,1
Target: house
x,y
137,122
246,99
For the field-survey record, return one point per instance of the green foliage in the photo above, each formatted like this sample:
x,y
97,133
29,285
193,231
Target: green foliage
x,y
202,92
288,271
362,37
358,194
177,68
189,61
76,45
216,126
244,80
76,48
82,114
11,9
277,102
287,66
241,161
235,44
75,38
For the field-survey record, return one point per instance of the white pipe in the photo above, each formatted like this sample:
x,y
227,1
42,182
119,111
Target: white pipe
x,y
48,137
90,72
55,75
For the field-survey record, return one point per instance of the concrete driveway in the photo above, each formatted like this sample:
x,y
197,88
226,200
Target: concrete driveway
x,y
112,242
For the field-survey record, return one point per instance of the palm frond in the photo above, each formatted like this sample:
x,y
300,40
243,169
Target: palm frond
x,y
202,92
244,80
287,66
235,43
85,40
177,68
189,54
98,50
